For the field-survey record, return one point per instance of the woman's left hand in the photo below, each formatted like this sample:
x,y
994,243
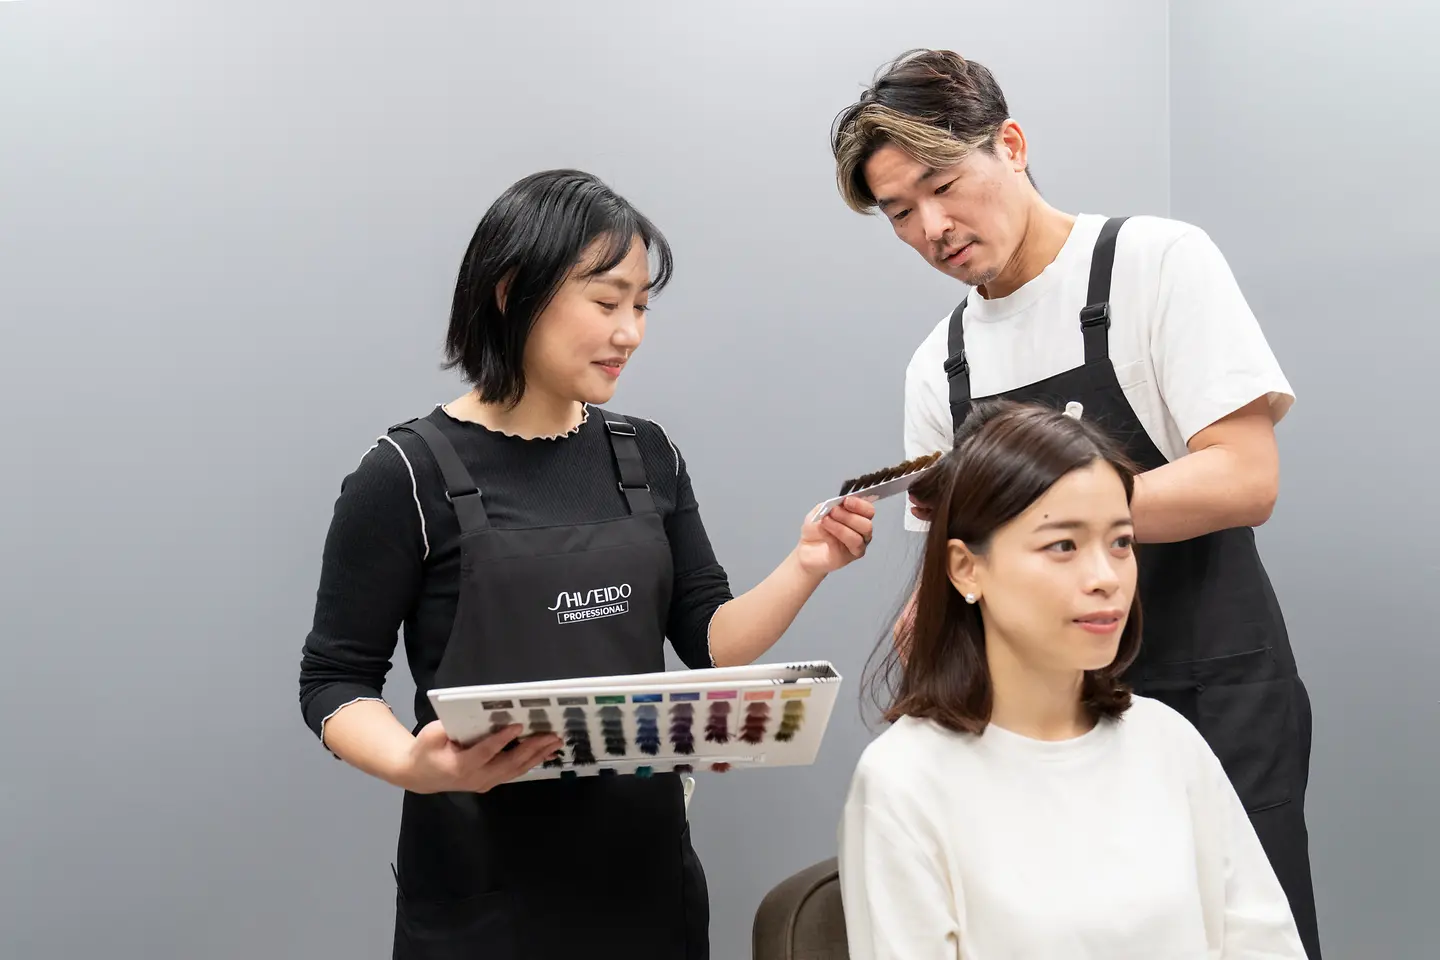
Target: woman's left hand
x,y
840,537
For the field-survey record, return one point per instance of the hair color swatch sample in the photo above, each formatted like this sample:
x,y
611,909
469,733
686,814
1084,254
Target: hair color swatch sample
x,y
540,725
717,728
612,729
577,737
499,720
682,738
540,722
790,721
757,716
647,729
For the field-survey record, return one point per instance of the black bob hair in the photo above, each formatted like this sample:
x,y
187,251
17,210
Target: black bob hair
x,y
531,238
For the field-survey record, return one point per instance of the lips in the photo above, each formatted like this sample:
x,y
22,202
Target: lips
x,y
958,255
1101,621
612,367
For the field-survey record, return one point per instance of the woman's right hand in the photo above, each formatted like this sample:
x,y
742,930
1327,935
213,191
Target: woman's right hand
x,y
437,764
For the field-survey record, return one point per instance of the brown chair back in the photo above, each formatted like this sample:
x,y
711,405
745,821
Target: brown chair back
x,y
802,918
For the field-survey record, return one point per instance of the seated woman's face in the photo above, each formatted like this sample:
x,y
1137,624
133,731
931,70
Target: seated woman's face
x,y
580,343
1057,581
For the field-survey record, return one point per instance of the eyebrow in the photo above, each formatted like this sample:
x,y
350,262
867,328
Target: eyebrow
x,y
620,283
925,174
1081,525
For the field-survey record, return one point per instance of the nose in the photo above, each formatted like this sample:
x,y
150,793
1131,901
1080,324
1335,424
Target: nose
x,y
934,221
628,333
1102,572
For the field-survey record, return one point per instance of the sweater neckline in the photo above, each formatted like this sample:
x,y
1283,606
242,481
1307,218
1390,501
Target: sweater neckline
x,y
546,438
1009,742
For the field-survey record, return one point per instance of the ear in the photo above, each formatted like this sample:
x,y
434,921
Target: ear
x,y
960,564
502,289
1011,145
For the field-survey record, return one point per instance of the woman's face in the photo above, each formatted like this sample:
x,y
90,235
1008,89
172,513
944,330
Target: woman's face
x,y
1057,582
582,340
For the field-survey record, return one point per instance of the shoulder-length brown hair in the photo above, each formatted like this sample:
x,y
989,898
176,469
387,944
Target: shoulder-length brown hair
x,y
1006,456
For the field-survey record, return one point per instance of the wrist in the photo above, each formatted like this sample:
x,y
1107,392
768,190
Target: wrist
x,y
396,764
807,577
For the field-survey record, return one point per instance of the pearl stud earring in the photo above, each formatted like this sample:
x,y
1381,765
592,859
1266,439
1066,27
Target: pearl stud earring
x,y
969,598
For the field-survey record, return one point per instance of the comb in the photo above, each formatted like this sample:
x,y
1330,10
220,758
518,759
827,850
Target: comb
x,y
881,483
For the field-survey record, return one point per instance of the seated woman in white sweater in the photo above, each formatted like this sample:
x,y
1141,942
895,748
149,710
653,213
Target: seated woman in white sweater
x,y
1024,803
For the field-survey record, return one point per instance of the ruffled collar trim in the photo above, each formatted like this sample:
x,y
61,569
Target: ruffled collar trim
x,y
471,424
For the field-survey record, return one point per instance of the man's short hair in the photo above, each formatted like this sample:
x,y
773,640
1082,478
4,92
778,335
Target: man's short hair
x,y
934,105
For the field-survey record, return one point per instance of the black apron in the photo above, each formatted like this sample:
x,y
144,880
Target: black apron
x,y
595,866
1215,645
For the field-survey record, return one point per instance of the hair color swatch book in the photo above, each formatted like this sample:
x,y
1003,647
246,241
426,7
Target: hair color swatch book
x,y
880,484
763,715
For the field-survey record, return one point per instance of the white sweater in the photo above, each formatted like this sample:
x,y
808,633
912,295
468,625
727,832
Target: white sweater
x,y
1127,843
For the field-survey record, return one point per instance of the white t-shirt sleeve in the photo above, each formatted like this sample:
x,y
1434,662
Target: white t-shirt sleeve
x,y
1246,912
927,414
1209,353
898,904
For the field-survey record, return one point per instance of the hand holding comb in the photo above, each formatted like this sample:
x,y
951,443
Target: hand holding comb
x,y
880,484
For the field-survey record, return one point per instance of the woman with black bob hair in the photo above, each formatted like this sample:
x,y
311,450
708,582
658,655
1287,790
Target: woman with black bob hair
x,y
491,528
1023,801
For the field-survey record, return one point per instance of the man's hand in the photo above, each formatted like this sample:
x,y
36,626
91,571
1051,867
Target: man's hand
x,y
919,510
1229,478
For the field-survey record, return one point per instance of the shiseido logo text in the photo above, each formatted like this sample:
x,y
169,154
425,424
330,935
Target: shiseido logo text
x,y
578,606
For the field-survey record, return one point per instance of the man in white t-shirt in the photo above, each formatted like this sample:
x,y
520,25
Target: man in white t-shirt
x,y
1141,321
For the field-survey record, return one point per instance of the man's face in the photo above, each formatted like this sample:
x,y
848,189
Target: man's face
x,y
967,221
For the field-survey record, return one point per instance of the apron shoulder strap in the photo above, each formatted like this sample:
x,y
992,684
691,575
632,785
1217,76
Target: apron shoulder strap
x,y
1094,322
628,462
460,488
1095,315
957,368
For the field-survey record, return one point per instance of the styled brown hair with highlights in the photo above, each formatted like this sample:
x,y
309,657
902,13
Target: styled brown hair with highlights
x,y
935,105
1006,456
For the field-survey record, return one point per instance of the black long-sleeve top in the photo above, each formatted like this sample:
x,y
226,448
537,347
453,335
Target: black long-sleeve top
x,y
392,555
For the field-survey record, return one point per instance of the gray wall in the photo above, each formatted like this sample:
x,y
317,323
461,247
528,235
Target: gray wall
x,y
1303,135
227,237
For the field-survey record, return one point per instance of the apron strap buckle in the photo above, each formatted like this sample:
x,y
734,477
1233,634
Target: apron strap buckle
x,y
621,428
1096,315
634,484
